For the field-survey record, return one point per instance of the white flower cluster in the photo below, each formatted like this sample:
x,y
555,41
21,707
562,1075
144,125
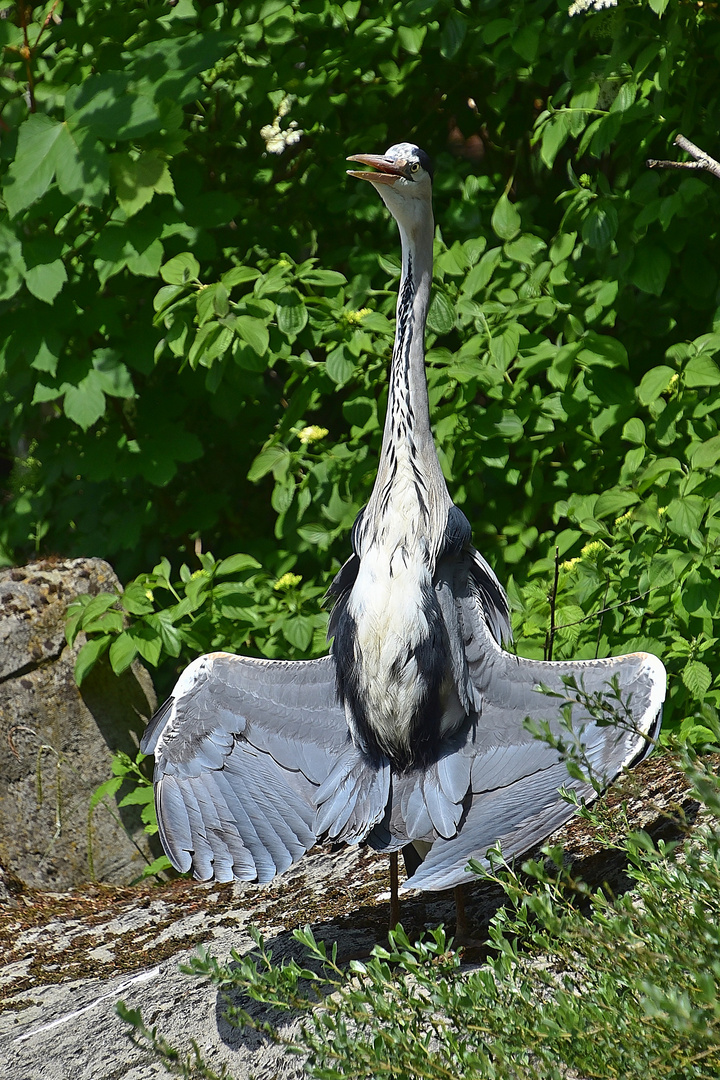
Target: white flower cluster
x,y
277,140
580,7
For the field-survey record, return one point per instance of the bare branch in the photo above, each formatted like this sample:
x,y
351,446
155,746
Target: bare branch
x,y
701,160
552,597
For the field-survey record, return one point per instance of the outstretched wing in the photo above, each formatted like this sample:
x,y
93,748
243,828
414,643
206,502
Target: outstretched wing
x,y
500,783
254,764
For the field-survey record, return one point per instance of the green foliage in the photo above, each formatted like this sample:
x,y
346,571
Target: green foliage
x,y
230,605
124,770
193,155
578,982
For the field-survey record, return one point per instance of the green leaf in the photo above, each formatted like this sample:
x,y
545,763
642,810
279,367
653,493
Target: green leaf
x,y
235,563
122,653
298,630
47,353
111,375
698,678
253,332
181,269
97,606
339,365
12,263
105,105
634,430
526,42
650,268
613,503
139,796
654,383
452,35
268,460
685,514
291,313
110,622
707,454
148,642
524,249
42,142
84,404
562,247
135,599
411,38
504,346
43,393
441,314
555,134
46,280
701,593
600,226
88,656
239,275
579,104
323,278
170,635
505,219
235,603
137,180
84,175
164,67
106,790
497,29
701,371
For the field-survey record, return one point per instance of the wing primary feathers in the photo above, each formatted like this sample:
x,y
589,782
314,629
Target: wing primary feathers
x,y
155,726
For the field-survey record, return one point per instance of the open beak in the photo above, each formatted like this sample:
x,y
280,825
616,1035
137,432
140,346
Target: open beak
x,y
388,171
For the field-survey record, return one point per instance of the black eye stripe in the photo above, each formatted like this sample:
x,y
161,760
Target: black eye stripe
x,y
426,163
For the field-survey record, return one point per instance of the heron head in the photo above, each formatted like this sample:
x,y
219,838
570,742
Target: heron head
x,y
403,178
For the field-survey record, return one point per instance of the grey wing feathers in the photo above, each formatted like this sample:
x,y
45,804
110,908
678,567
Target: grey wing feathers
x,y
254,764
487,591
512,794
340,587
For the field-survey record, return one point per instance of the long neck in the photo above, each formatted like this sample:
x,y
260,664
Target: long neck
x,y
407,423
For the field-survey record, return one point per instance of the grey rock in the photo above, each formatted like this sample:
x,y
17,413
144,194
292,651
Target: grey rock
x,y
62,977
56,740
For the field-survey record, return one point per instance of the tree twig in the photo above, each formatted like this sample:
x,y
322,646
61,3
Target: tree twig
x,y
701,160
602,616
50,17
549,640
27,55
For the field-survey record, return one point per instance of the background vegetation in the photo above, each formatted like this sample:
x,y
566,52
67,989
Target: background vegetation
x,y
197,311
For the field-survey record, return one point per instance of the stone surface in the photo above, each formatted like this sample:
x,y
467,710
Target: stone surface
x,y
65,960
56,740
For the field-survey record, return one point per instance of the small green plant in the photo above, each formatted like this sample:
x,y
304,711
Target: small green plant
x,y
124,770
230,604
579,982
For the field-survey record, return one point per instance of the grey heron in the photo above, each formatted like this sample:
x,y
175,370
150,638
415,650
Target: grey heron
x,y
410,734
